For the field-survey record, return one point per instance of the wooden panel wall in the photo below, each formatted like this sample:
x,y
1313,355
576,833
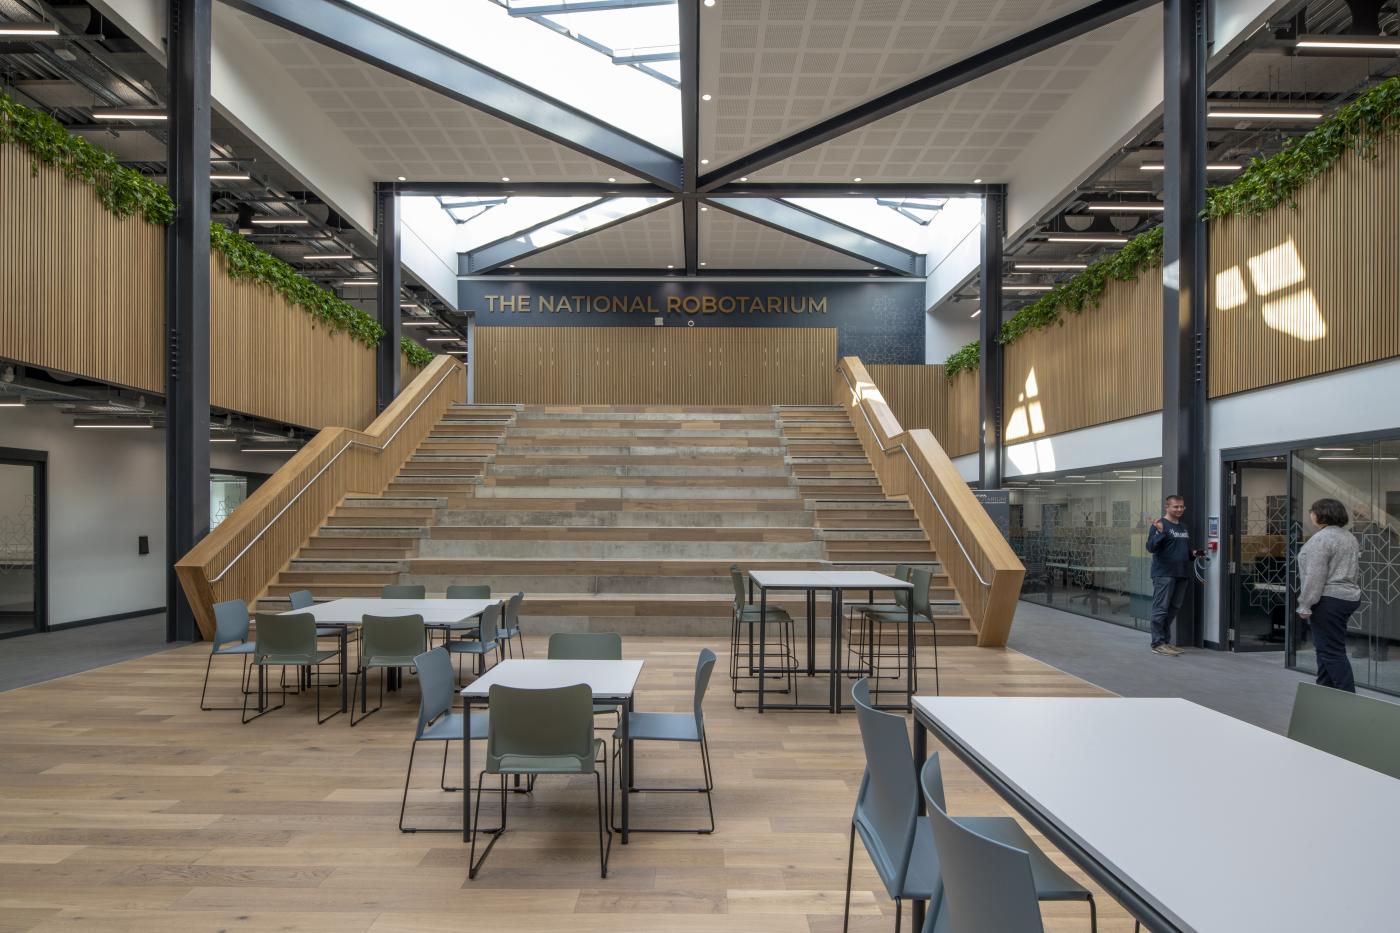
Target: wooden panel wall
x,y
1297,293
80,290
922,397
1096,367
654,365
272,359
963,434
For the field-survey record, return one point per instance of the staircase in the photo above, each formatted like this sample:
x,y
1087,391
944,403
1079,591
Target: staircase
x,y
620,518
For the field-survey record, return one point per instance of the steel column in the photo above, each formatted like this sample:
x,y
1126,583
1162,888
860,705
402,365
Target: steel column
x,y
1184,269
187,302
990,402
388,230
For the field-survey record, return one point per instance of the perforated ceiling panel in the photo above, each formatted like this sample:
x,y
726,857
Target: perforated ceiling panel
x,y
975,131
728,241
777,66
652,241
403,129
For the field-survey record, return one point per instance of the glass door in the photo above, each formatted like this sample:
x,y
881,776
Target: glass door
x,y
21,555
1257,554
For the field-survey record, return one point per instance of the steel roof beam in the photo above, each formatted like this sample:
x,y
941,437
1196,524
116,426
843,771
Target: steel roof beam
x,y
791,219
517,246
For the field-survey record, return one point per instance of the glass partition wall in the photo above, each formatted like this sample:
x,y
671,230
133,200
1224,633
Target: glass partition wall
x,y
1083,539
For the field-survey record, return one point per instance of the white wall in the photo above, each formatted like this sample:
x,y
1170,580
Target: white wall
x,y
1123,441
428,246
947,328
967,467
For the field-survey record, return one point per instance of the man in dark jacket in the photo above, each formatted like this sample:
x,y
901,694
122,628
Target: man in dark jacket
x,y
1170,545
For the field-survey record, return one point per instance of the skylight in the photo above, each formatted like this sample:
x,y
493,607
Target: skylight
x,y
503,220
644,36
462,210
597,215
872,216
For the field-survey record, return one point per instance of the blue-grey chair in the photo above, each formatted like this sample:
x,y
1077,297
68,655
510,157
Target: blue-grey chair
x,y
403,591
510,625
587,646
485,642
675,727
988,886
437,722
230,640
469,628
900,845
1363,730
780,659
302,599
389,643
286,641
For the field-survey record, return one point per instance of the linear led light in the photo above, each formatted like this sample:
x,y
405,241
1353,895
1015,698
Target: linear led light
x,y
420,324
235,177
11,403
1359,458
1027,288
1126,207
223,440
407,305
144,425
280,221
360,282
268,450
128,113
1350,43
1096,238
975,313
312,257
456,352
443,339
1341,449
1265,114
1210,167
27,29
1052,266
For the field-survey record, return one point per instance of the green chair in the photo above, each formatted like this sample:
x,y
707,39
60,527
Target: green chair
x,y
922,579
746,617
286,641
302,599
438,723
510,624
230,640
587,646
483,644
859,644
1360,729
675,727
468,591
535,732
385,642
404,591
468,628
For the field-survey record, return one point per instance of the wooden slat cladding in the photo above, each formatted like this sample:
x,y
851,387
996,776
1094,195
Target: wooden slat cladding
x,y
250,547
1099,366
963,435
80,290
1298,293
983,570
272,359
654,365
922,397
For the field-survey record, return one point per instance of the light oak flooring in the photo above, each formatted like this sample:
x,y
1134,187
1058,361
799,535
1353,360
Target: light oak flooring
x,y
125,808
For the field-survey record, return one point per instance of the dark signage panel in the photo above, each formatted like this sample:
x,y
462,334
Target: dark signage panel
x,y
881,322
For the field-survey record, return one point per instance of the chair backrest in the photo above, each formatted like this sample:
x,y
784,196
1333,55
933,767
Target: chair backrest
x,y
704,667
901,572
539,723
987,886
404,591
887,805
736,577
510,615
921,579
289,639
469,591
230,622
436,686
301,599
1360,729
585,646
490,618
390,637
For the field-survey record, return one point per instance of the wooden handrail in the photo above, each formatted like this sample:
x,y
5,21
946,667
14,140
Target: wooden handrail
x,y
239,558
985,572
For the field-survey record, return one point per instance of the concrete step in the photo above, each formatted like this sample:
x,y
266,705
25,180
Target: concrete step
x,y
389,502
565,442
738,457
492,548
638,470
636,492
392,537
609,504
628,532
835,535
352,554
437,479
639,429
680,416
608,515
512,452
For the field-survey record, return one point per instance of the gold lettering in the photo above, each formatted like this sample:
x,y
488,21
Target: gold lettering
x,y
817,304
707,304
775,305
599,304
547,303
691,304
491,303
637,305
507,302
673,304
525,303
563,304
726,304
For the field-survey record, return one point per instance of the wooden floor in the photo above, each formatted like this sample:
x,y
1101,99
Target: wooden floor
x,y
122,807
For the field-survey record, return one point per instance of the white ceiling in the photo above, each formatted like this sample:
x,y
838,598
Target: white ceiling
x,y
975,131
400,128
728,241
778,66
652,241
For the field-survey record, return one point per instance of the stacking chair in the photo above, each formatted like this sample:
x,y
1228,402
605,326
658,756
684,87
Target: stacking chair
x,y
404,591
747,617
470,627
486,642
510,625
385,642
989,886
438,723
534,732
230,640
859,646
674,727
900,845
286,641
302,599
881,619
587,646
1360,729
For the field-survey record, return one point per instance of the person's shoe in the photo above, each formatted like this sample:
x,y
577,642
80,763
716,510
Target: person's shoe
x,y
1164,649
1174,649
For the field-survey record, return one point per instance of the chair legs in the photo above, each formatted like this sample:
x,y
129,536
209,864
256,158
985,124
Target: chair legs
x,y
262,690
205,689
850,867
604,821
407,779
707,790
362,676
786,654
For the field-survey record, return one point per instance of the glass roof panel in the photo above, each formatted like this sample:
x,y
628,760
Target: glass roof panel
x,y
511,217
869,216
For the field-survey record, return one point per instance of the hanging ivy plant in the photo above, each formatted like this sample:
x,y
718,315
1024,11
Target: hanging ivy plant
x,y
418,355
1358,127
122,190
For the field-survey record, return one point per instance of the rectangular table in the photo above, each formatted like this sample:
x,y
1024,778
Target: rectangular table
x,y
1192,820
836,582
344,614
612,682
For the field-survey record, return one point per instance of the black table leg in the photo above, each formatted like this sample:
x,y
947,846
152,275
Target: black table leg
x,y
467,770
344,668
910,654
624,779
811,633
920,756
836,672
762,648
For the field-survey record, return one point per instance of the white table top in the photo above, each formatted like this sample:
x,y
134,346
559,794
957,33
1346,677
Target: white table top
x,y
612,679
828,580
433,611
1216,822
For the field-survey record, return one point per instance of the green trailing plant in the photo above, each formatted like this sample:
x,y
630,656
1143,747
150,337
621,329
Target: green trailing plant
x,y
246,261
123,191
965,358
418,355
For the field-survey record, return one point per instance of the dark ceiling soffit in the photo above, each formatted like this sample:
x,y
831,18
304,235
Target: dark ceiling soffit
x,y
381,44
999,56
791,219
488,258
688,13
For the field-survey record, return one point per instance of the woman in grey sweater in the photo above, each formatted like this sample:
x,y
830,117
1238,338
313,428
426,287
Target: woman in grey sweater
x,y
1330,591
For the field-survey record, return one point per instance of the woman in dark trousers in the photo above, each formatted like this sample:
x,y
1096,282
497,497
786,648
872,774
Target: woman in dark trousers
x,y
1330,590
